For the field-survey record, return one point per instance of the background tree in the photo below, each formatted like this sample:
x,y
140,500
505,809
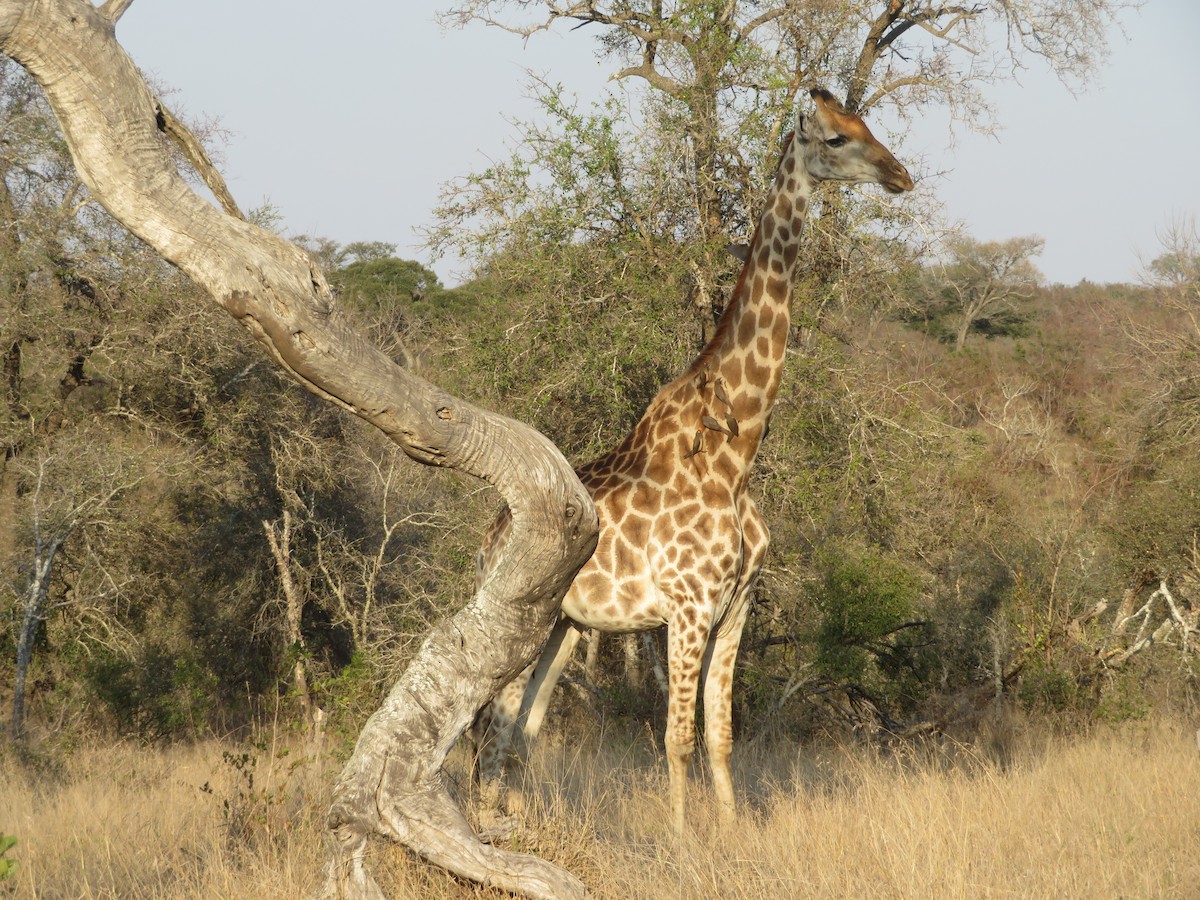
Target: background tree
x,y
719,77
1174,276
367,282
981,285
708,55
64,494
1176,271
1154,531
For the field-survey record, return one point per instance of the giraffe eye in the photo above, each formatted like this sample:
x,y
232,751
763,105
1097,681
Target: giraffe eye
x,y
836,141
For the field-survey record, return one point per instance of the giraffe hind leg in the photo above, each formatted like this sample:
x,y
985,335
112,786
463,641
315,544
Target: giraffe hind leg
x,y
563,641
719,660
493,736
516,717
536,702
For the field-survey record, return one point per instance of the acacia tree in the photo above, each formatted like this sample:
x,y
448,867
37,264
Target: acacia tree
x,y
719,74
711,56
392,784
983,280
711,81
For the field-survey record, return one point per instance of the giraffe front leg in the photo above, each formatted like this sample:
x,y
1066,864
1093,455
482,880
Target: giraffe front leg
x,y
718,705
687,636
721,655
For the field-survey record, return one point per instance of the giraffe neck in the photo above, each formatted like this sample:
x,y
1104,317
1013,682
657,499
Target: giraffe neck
x,y
740,370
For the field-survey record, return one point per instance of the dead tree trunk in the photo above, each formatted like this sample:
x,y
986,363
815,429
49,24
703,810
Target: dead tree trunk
x,y
392,784
33,612
279,538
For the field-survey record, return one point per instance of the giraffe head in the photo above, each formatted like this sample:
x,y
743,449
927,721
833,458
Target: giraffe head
x,y
837,146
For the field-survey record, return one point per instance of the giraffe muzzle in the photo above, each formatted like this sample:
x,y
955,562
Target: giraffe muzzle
x,y
898,180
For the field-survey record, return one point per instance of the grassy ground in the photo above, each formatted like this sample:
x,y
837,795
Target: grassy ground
x,y
1110,814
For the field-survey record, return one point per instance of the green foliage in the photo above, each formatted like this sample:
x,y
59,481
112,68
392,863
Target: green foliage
x,y
158,695
1125,698
349,696
1048,687
1154,531
982,287
584,347
941,319
582,177
8,867
867,633
375,284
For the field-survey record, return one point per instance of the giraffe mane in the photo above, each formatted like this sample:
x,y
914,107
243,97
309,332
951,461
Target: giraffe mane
x,y
726,320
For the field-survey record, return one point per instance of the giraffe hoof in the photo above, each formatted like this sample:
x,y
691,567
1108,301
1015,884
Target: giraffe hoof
x,y
498,829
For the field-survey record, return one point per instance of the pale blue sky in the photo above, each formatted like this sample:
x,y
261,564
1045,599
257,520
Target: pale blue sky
x,y
349,120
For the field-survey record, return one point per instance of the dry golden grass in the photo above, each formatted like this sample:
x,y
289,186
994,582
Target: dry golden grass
x,y
1112,814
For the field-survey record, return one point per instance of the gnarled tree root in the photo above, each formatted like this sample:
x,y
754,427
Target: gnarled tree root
x,y
425,819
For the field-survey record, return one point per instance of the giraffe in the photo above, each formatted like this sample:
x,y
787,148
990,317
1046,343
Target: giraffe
x,y
681,541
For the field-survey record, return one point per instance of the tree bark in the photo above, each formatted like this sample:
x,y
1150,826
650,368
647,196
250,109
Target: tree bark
x,y
964,328
392,784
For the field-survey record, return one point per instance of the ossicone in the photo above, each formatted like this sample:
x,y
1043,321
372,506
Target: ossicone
x,y
825,99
